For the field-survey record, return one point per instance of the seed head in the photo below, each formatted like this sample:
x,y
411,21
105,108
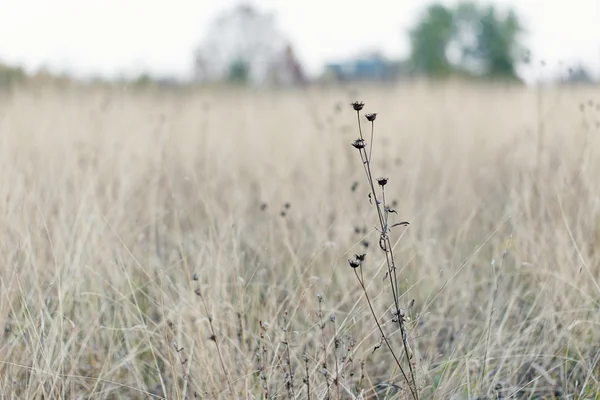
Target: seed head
x,y
359,144
358,105
360,257
354,263
382,181
195,276
371,117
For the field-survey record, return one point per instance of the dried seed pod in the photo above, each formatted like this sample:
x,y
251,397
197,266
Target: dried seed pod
x,y
371,117
357,105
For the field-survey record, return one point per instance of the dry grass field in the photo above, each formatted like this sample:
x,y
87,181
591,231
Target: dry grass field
x,y
195,245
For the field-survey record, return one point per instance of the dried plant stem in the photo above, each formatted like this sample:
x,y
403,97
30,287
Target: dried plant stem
x,y
336,344
322,327
367,166
379,327
386,245
213,337
288,361
262,356
307,377
371,141
493,305
221,360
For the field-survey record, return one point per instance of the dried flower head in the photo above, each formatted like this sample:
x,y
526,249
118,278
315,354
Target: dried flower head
x,y
359,144
354,263
371,117
382,181
360,257
195,276
358,105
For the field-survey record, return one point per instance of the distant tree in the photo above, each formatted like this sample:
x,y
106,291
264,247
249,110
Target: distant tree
x,y
143,80
578,75
242,45
487,42
496,45
11,75
430,39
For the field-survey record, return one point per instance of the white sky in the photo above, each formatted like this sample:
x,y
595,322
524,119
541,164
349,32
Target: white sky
x,y
110,37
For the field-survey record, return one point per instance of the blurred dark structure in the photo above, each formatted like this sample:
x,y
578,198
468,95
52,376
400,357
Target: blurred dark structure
x,y
370,67
245,46
286,69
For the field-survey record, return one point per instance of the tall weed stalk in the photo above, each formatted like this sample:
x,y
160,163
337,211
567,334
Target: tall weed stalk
x,y
378,200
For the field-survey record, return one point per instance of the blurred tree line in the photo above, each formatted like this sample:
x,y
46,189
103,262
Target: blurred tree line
x,y
246,46
471,39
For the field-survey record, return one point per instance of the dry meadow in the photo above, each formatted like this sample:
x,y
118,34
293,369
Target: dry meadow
x,y
195,244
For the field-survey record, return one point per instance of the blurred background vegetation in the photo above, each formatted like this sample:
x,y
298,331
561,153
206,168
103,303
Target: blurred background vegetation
x,y
245,46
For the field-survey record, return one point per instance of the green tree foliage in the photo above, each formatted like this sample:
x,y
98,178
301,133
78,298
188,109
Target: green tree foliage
x,y
487,40
430,39
10,76
497,46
